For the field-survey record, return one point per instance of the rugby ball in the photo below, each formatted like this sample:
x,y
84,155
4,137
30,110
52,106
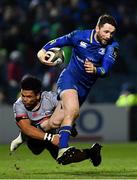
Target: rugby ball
x,y
56,55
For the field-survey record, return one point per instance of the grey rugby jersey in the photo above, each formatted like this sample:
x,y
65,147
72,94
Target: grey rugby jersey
x,y
48,103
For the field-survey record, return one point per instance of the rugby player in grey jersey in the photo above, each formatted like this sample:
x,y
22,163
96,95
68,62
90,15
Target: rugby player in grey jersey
x,y
36,113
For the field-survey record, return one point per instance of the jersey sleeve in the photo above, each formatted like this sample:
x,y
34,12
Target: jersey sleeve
x,y
19,112
109,59
66,40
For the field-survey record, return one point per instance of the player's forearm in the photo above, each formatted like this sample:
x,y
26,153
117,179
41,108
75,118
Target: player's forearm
x,y
33,132
105,68
59,42
108,60
38,134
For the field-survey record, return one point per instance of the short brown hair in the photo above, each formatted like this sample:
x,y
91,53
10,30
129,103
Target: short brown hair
x,y
106,18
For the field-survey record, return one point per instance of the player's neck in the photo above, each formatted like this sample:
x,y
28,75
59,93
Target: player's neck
x,y
96,38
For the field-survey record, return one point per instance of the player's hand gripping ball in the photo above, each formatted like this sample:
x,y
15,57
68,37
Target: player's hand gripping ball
x,y
55,55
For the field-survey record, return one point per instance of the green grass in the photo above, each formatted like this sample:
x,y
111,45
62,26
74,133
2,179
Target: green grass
x,y
119,162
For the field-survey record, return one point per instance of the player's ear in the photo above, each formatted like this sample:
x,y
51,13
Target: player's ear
x,y
97,28
38,95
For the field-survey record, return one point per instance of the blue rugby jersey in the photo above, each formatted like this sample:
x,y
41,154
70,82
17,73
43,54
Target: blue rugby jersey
x,y
85,46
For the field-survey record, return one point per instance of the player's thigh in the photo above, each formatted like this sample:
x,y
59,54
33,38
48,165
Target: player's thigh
x,y
70,101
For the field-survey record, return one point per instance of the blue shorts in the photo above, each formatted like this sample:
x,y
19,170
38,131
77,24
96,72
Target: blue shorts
x,y
68,81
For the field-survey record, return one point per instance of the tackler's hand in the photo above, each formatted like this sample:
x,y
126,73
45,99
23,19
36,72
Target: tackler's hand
x,y
89,67
55,139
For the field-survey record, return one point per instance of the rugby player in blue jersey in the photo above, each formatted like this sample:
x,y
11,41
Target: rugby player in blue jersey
x,y
93,55
35,113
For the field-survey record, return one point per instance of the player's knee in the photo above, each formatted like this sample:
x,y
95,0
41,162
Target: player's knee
x,y
54,125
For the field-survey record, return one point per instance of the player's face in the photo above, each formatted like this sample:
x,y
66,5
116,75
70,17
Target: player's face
x,y
105,33
29,98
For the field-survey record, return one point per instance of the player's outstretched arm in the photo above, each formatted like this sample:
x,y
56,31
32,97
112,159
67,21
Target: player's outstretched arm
x,y
33,132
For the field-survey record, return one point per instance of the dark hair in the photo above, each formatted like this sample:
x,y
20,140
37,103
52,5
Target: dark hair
x,y
106,18
30,82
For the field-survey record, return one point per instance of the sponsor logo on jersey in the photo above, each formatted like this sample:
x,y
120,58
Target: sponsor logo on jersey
x,y
83,44
52,41
101,51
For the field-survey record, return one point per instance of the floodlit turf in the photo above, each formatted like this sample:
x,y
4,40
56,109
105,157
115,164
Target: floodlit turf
x,y
119,162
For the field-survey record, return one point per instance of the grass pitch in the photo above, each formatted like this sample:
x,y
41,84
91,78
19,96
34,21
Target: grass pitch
x,y
119,162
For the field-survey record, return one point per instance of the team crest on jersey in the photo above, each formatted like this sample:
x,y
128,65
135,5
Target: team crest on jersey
x,y
101,51
83,44
114,54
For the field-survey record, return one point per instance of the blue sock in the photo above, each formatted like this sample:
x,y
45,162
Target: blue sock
x,y
64,133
